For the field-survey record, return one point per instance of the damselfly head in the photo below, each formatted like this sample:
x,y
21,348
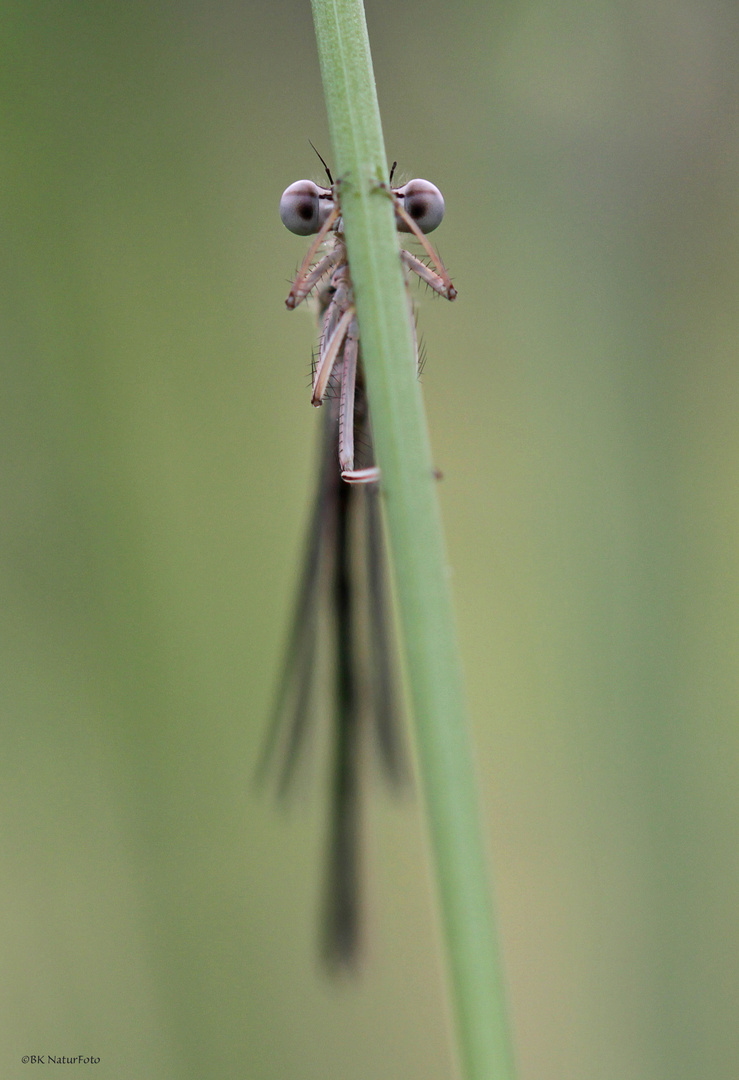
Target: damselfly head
x,y
422,202
304,207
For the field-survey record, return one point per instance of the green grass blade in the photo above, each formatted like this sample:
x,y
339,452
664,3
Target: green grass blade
x,y
416,543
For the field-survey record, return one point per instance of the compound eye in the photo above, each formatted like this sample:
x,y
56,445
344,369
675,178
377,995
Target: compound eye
x,y
304,207
423,202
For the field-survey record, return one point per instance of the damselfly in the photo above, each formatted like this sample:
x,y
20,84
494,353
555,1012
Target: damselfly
x,y
343,578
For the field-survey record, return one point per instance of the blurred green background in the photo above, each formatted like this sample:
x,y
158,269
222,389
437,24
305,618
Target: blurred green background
x,y
157,456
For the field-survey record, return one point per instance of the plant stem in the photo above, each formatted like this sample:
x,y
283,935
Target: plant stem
x,y
416,543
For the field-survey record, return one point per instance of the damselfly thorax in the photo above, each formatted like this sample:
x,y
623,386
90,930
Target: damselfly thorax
x,y
307,209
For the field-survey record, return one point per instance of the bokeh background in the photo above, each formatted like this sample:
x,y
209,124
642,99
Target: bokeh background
x,y
158,910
